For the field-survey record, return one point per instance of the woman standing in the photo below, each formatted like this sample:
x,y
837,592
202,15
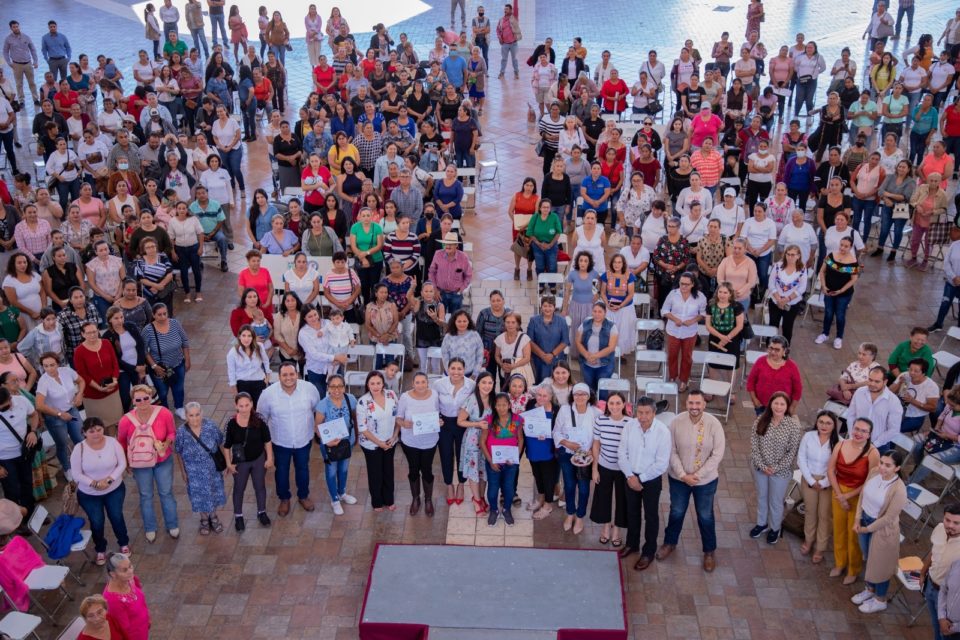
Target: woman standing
x,y
419,448
813,458
22,287
774,443
522,208
226,134
895,193
186,234
617,287
428,314
572,432
125,597
129,349
591,238
248,452
877,525
725,321
96,362
366,243
464,343
682,310
596,342
302,278
453,390
154,271
105,274
382,319
98,623
670,259
788,283
838,274
711,250
512,351
610,481
59,396
473,417
448,193
338,404
168,356
321,238
58,279
505,429
578,294
248,366
850,463
196,441
257,278
77,313
379,431
540,452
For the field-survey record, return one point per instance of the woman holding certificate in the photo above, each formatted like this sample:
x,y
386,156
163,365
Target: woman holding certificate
x,y
538,424
337,405
418,415
501,443
378,429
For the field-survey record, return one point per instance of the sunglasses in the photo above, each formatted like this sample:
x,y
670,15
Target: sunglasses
x,y
139,400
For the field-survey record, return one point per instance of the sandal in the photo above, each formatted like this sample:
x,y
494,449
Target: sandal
x,y
616,543
603,540
480,508
542,514
199,298
215,524
204,527
817,558
101,559
805,548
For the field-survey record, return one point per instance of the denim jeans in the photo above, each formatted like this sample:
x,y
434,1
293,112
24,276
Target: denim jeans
x,y
912,424
504,481
908,11
219,20
546,259
263,46
508,50
336,476
950,456
200,41
886,223
680,493
576,492
188,259
950,293
593,375
162,475
918,145
835,305
301,465
231,162
280,51
112,504
804,95
101,304
248,115
319,380
463,158
930,596
174,384
451,301
771,490
222,246
63,429
67,192
879,588
763,267
863,210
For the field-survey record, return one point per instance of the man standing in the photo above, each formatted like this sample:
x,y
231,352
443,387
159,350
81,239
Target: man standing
x,y
509,36
19,51
169,16
879,405
56,51
944,553
643,456
481,33
463,14
289,407
215,11
904,8
408,197
697,448
451,272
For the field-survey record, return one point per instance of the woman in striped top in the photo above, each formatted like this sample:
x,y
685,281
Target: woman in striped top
x,y
610,481
155,273
168,356
341,287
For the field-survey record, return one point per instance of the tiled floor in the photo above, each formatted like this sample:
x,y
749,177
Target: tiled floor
x,y
304,578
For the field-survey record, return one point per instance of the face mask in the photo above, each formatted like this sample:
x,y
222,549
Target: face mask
x,y
123,166
428,215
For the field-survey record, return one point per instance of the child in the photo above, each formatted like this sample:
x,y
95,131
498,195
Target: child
x,y
337,336
262,329
391,372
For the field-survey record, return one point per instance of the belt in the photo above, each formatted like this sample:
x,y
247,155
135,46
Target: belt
x,y
15,62
56,57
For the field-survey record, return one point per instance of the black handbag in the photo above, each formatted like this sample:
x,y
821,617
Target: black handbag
x,y
26,451
167,371
219,460
238,451
342,450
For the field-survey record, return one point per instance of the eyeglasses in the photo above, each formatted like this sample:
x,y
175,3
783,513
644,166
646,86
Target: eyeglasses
x,y
334,386
139,400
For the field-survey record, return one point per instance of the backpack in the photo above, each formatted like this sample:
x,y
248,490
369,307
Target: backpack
x,y
141,449
654,341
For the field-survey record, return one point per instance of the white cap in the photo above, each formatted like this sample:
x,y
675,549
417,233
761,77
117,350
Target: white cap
x,y
581,387
729,191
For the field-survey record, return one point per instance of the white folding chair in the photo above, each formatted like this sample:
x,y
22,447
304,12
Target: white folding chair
x,y
658,358
926,499
35,524
358,351
719,387
645,326
355,380
434,353
615,384
49,577
904,584
617,357
750,358
396,350
664,390
72,632
794,485
19,625
641,301
943,358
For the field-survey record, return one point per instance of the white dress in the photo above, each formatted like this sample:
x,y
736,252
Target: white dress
x,y
593,246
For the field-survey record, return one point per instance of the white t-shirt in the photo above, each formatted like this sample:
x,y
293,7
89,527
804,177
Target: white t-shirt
x,y
832,239
5,112
924,391
804,237
147,72
59,395
224,134
112,120
89,152
912,78
729,219
634,261
759,233
693,230
57,162
20,409
218,185
764,162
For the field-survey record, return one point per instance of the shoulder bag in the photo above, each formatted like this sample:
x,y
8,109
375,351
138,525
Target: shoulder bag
x,y
342,450
167,371
238,451
219,460
901,211
26,451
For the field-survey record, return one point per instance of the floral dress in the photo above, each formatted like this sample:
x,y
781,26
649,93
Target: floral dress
x,y
471,459
672,253
205,484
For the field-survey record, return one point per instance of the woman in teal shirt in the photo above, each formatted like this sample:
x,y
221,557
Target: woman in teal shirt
x,y
366,242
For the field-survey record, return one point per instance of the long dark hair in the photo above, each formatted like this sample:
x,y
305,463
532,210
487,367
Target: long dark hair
x,y
243,298
491,397
835,433
763,422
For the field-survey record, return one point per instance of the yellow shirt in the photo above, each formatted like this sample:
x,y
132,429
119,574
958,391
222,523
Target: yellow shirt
x,y
944,553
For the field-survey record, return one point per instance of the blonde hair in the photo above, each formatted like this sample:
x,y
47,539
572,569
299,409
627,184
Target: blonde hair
x,y
142,388
92,601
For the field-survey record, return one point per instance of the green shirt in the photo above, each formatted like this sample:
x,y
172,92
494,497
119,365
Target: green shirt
x,y
180,47
902,355
10,324
367,239
895,105
544,230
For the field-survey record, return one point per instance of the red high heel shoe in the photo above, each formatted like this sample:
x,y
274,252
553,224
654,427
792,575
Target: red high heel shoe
x,y
481,508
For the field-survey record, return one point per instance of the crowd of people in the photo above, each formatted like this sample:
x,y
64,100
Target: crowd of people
x,y
706,216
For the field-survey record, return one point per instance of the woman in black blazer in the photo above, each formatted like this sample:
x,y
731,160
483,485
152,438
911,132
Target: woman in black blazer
x,y
119,334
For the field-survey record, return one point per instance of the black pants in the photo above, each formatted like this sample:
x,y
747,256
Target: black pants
x,y
548,155
640,503
253,387
451,439
420,462
18,483
755,191
369,277
545,476
380,475
256,469
612,485
800,197
278,94
787,316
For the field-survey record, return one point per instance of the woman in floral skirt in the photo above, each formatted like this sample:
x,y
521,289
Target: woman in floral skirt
x,y
473,418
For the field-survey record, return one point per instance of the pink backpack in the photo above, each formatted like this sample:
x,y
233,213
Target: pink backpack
x,y
141,446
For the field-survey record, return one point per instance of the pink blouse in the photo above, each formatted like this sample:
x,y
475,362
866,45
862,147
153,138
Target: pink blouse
x,y
130,610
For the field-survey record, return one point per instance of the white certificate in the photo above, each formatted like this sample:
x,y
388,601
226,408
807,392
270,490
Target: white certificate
x,y
505,454
424,423
536,423
333,430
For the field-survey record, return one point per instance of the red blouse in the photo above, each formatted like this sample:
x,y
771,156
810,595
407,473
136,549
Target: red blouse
x,y
95,366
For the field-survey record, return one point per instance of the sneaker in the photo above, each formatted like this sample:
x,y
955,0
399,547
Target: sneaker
x,y
873,606
910,263
101,559
821,338
239,524
773,536
125,550
346,498
838,343
931,329
862,597
877,252
508,517
150,536
181,413
757,530
263,518
492,519
223,267
337,508
174,533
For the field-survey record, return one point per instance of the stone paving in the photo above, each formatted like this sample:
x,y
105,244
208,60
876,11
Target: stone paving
x,y
304,577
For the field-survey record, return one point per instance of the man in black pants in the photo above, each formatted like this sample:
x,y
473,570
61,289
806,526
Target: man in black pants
x,y
643,456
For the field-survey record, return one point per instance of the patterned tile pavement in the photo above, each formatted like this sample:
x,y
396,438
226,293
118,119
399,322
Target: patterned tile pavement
x,y
304,578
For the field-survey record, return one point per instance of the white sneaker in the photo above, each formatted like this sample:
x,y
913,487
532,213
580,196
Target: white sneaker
x,y
181,413
821,338
347,498
862,597
68,475
838,343
337,508
174,533
150,536
873,606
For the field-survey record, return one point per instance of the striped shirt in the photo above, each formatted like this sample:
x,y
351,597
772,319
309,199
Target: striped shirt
x,y
551,127
407,249
708,166
155,272
169,353
341,285
607,432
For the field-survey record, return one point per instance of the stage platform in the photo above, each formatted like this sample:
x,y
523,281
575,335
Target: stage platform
x,y
463,593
